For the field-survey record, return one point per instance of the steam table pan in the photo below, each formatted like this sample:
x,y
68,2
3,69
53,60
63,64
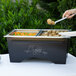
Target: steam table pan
x,y
53,48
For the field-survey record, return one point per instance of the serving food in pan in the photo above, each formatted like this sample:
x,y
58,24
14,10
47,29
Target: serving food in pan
x,y
51,33
36,33
22,34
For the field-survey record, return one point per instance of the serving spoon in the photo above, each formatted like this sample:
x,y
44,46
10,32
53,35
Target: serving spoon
x,y
51,22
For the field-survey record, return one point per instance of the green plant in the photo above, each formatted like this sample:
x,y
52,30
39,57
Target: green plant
x,y
22,15
68,24
63,6
19,14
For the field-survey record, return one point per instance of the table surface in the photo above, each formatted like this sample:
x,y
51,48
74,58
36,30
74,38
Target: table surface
x,y
37,67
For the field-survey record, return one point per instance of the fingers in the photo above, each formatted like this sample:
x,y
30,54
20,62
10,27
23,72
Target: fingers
x,y
68,14
69,17
65,14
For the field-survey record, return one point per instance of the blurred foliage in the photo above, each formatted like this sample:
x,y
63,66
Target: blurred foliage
x,y
63,6
23,15
69,23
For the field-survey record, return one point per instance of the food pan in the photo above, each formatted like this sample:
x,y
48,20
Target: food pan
x,y
38,35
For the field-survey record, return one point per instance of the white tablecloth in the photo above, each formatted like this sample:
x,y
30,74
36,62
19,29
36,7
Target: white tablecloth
x,y
37,68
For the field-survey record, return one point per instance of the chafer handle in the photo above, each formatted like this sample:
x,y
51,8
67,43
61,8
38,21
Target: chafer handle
x,y
70,34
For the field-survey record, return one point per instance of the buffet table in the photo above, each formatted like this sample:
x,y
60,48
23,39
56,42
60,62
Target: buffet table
x,y
37,67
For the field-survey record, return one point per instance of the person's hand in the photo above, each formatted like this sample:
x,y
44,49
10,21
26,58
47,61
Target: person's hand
x,y
69,13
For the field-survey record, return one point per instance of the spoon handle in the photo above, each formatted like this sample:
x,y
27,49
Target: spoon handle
x,y
62,19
